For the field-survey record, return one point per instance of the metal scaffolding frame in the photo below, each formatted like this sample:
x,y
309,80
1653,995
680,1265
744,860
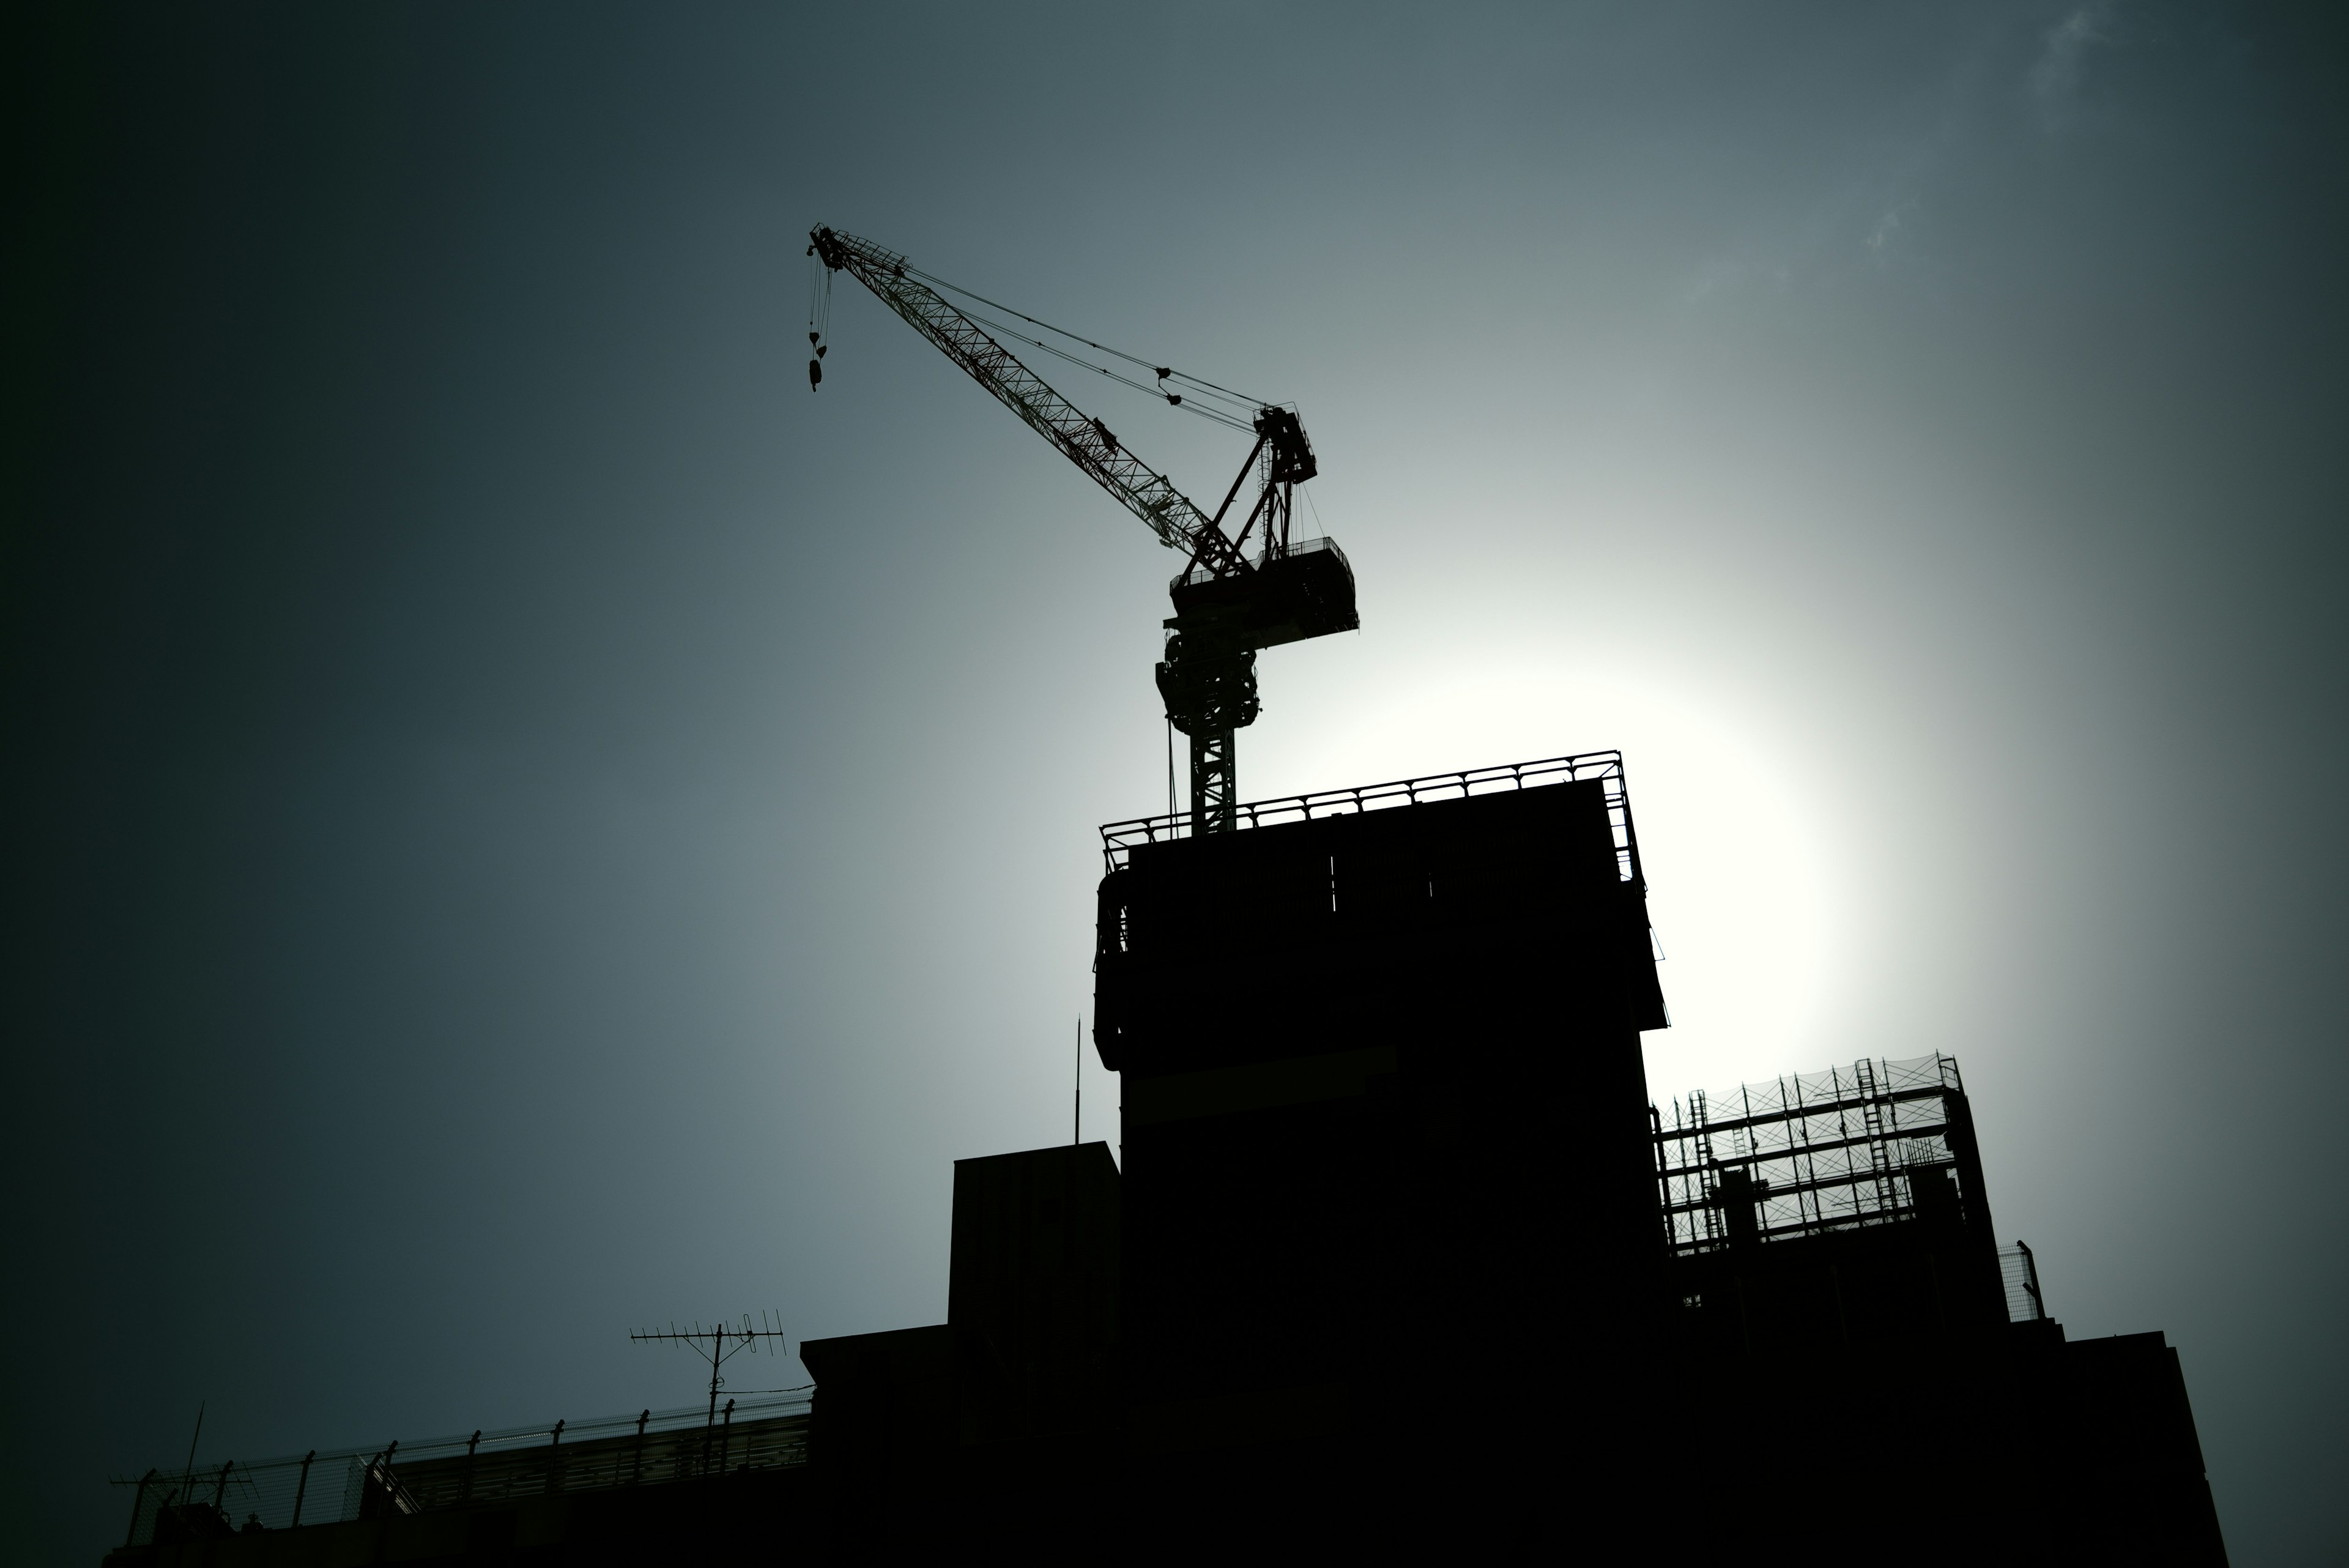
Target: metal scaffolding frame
x,y
1824,1151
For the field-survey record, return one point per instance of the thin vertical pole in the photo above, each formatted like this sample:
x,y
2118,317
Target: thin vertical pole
x,y
1077,1124
380,1472
302,1488
188,1474
709,1428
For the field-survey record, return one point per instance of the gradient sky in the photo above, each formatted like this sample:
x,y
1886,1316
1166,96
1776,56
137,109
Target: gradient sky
x,y
526,820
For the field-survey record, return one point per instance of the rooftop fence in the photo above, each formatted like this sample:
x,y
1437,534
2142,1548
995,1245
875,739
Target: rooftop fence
x,y
1119,840
2020,1271
330,1486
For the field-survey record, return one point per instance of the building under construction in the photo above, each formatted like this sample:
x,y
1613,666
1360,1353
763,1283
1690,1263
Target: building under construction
x,y
1399,1260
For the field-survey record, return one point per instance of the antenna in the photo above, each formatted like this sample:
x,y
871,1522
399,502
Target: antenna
x,y
187,1476
719,1345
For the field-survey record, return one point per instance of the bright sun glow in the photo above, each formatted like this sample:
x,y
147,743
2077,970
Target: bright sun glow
x,y
1734,854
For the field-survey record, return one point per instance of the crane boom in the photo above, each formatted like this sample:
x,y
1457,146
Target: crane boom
x,y
1227,607
1084,441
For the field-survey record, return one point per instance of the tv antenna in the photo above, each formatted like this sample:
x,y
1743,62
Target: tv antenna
x,y
719,1345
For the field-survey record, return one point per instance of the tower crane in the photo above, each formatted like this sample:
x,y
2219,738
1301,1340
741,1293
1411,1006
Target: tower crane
x,y
1227,603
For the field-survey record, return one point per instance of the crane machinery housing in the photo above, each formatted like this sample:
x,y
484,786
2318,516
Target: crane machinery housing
x,y
1227,603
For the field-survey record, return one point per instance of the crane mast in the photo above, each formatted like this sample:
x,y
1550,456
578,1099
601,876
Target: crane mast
x,y
1226,605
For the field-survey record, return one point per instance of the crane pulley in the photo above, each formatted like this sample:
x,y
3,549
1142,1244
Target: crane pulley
x,y
1227,605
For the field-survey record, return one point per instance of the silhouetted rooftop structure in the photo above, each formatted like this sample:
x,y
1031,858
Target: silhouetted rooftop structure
x,y
1400,1261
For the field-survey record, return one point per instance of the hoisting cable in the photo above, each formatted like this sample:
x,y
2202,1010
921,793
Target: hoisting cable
x,y
819,320
1164,372
1317,513
1217,415
1238,415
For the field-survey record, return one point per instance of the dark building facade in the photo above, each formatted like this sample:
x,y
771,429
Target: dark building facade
x,y
1834,1264
1399,1260
1386,1144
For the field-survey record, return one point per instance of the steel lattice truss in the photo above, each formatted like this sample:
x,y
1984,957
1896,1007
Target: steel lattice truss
x,y
1086,442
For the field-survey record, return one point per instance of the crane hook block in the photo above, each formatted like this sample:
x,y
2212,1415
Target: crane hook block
x,y
814,337
815,371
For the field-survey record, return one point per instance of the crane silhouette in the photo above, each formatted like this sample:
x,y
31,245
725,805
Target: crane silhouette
x,y
1228,603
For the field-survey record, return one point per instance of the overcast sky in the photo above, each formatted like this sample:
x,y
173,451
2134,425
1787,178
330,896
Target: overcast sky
x,y
527,820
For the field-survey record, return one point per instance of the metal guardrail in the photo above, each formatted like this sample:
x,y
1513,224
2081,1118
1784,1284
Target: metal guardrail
x,y
1120,839
1193,577
331,1486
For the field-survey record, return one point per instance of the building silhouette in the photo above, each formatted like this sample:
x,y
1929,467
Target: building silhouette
x,y
1399,1260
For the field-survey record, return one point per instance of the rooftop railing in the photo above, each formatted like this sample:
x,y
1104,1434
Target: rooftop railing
x,y
1120,839
331,1486
1194,575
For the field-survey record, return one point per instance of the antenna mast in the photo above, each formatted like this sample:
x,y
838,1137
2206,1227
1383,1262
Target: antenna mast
x,y
717,1345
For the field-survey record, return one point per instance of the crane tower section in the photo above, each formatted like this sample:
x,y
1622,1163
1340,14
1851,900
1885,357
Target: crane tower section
x,y
1242,591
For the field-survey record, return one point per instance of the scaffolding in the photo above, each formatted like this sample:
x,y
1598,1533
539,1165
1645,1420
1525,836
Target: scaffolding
x,y
1826,1151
